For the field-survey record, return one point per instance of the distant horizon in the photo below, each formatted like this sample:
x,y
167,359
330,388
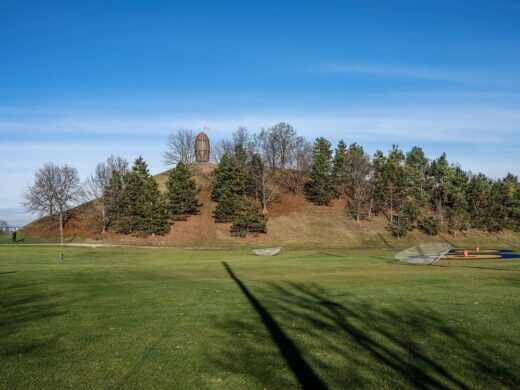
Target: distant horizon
x,y
79,82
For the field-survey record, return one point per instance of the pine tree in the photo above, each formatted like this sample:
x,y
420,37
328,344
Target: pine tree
x,y
320,187
255,172
378,183
114,198
228,178
417,166
358,186
429,225
439,186
181,193
339,174
457,204
394,183
248,220
226,208
142,207
508,194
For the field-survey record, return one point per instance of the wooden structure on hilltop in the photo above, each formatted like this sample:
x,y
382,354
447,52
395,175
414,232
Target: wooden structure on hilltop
x,y
202,148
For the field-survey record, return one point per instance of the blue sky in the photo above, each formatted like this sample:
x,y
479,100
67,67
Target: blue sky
x,y
82,80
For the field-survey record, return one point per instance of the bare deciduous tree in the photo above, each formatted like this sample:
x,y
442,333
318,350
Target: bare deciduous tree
x,y
268,145
301,162
359,185
265,186
55,190
4,227
96,187
39,198
242,137
268,189
241,142
285,136
180,147
225,146
277,144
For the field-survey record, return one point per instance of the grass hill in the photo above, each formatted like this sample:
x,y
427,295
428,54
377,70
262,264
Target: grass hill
x,y
292,222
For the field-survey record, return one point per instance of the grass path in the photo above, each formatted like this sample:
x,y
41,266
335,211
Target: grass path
x,y
134,318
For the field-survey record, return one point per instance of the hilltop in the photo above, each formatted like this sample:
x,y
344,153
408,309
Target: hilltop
x,y
292,221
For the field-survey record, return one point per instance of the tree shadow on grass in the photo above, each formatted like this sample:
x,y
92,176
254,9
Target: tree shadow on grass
x,y
504,241
292,356
20,306
475,267
453,245
386,242
343,341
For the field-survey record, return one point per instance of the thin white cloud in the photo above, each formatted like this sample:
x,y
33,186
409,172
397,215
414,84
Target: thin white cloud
x,y
427,125
485,130
415,72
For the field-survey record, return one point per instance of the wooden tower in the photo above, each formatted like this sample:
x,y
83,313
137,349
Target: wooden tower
x,y
202,148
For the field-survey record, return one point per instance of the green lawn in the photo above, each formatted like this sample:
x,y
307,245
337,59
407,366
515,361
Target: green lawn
x,y
162,318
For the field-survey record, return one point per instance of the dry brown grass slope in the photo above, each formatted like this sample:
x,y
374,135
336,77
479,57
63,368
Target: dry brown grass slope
x,y
293,222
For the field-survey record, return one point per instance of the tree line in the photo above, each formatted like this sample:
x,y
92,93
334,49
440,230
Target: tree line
x,y
411,191
408,189
126,200
253,169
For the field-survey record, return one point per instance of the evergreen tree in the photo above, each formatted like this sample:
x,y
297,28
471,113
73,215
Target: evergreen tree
x,y
240,154
429,225
339,169
255,172
226,208
417,166
229,178
181,192
358,187
457,205
394,183
248,220
498,215
439,183
114,197
508,194
320,187
479,199
378,183
142,207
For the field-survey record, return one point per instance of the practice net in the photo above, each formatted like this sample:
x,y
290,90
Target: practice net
x,y
424,254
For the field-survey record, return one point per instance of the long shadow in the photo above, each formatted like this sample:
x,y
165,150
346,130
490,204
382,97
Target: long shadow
x,y
301,369
329,254
447,241
22,304
476,267
386,242
505,242
342,317
355,343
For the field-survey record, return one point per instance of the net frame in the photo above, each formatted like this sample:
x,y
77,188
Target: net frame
x,y
425,254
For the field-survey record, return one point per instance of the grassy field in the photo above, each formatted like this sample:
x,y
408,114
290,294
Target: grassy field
x,y
163,318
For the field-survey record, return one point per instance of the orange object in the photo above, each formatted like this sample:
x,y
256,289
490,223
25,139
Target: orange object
x,y
465,253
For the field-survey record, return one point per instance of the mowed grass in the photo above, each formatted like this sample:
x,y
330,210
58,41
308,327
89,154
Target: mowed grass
x,y
162,318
